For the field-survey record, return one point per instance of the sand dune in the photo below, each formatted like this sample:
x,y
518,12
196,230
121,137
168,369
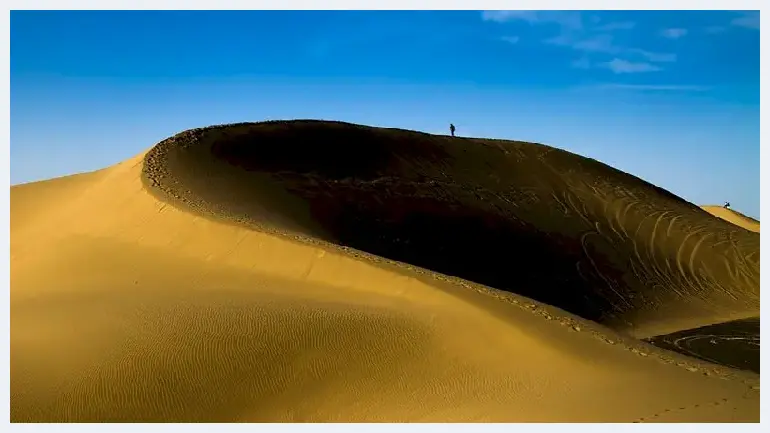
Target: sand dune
x,y
244,273
514,216
734,217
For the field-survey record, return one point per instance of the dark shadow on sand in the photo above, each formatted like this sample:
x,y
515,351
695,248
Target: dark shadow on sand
x,y
520,217
733,344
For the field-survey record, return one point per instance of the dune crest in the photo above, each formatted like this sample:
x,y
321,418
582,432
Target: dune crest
x,y
734,217
521,217
176,287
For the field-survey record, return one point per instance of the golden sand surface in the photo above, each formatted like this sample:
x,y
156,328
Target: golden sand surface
x,y
277,272
734,217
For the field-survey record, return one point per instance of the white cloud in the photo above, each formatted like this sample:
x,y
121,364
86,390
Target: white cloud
x,y
591,40
598,43
564,40
654,87
503,16
715,29
603,44
673,33
582,63
510,39
620,66
749,20
566,19
621,25
654,57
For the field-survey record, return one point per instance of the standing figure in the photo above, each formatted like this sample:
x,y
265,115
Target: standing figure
x,y
452,129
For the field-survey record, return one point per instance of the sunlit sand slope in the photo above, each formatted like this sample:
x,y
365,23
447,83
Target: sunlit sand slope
x,y
128,307
734,217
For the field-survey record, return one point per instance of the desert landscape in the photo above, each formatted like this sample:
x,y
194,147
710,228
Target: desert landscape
x,y
315,271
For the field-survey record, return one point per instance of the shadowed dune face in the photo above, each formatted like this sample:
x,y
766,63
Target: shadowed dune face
x,y
734,344
527,218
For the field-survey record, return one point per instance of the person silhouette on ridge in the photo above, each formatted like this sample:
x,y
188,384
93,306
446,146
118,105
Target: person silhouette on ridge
x,y
452,129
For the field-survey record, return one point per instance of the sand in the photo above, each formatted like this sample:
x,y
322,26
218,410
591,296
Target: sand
x,y
175,286
734,217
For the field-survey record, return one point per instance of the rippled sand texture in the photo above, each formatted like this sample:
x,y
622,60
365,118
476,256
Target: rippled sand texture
x,y
285,272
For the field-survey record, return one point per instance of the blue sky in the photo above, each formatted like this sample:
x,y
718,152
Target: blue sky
x,y
669,96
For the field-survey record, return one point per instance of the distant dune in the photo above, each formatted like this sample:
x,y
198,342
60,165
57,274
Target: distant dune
x,y
324,271
734,217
